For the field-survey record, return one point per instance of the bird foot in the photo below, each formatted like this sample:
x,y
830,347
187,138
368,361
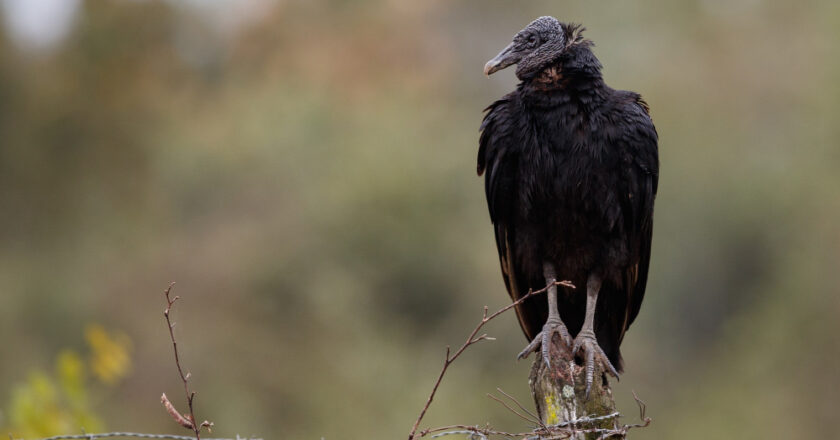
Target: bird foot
x,y
543,339
592,352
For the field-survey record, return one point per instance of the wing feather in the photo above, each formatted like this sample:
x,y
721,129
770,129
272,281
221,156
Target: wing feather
x,y
498,156
640,177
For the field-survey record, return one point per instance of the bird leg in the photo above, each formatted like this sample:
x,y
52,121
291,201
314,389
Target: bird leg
x,y
585,339
553,324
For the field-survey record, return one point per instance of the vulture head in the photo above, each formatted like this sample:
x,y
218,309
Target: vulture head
x,y
544,44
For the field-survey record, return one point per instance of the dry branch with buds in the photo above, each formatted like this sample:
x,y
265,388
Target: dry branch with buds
x,y
568,418
472,339
188,421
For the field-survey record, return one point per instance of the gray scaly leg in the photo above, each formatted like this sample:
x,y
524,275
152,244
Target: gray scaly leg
x,y
553,324
586,341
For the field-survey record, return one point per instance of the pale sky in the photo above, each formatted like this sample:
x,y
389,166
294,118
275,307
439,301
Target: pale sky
x,y
40,24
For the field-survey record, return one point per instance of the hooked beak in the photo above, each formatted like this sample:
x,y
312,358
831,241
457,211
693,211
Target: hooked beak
x,y
505,58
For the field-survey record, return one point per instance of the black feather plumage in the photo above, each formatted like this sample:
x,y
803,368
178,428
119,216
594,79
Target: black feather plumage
x,y
571,169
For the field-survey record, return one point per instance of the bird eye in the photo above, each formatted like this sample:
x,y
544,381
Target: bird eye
x,y
532,40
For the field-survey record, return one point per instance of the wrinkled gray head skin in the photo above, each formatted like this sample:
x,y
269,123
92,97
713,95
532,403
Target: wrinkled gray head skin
x,y
532,49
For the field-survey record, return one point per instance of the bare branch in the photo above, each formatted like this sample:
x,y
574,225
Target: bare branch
x,y
521,407
472,339
570,428
642,409
189,421
521,416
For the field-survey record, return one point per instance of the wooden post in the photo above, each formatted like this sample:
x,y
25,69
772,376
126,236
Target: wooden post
x,y
560,394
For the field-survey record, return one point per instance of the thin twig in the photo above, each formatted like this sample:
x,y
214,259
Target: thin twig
x,y
472,339
642,409
188,422
559,431
525,410
521,416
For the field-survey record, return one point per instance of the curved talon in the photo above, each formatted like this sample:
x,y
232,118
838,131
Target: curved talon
x,y
545,345
542,340
590,371
587,342
530,348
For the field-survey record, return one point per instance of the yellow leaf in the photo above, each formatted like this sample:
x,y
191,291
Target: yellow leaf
x,y
70,370
109,357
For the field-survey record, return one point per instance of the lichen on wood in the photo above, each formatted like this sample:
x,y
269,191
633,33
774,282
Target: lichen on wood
x,y
559,390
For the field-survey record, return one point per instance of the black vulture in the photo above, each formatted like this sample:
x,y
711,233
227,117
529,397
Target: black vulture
x,y
571,169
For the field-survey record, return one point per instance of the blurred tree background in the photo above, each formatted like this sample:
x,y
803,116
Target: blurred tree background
x,y
305,170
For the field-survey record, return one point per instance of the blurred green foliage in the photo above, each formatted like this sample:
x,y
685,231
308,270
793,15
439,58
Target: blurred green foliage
x,y
305,171
60,403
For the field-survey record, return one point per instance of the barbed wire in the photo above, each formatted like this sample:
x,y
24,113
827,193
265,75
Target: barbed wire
x,y
133,434
560,431
470,434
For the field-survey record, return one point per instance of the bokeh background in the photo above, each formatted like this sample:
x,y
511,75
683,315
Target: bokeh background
x,y
305,170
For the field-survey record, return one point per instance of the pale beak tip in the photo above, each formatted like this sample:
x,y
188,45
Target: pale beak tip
x,y
488,68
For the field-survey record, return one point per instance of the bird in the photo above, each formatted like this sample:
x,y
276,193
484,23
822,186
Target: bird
x,y
571,170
